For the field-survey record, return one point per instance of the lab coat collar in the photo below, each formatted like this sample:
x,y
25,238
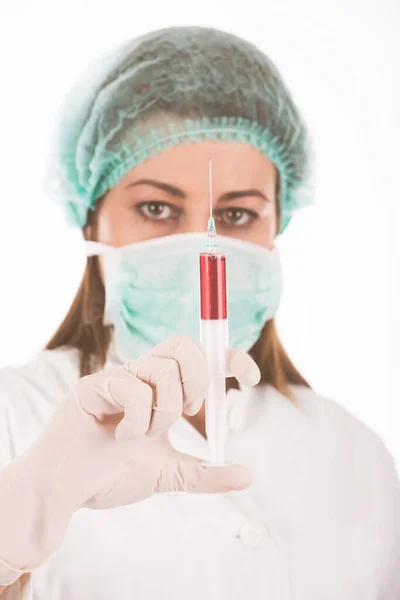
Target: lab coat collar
x,y
246,409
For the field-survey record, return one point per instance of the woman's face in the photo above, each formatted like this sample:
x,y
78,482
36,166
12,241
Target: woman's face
x,y
169,194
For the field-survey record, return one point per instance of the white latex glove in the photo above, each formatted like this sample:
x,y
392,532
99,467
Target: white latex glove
x,y
106,446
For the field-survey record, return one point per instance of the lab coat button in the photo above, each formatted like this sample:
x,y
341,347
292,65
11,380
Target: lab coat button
x,y
235,419
252,533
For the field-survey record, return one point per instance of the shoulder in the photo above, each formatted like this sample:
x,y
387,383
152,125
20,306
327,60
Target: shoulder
x,y
339,426
335,420
354,448
45,372
363,472
30,393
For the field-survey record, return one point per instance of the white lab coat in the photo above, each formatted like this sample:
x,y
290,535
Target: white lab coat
x,y
320,522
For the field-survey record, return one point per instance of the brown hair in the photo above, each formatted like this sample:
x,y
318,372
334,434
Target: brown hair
x,y
83,328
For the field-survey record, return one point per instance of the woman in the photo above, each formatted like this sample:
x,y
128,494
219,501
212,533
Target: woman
x,y
111,413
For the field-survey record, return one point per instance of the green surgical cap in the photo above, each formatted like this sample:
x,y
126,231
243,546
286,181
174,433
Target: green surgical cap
x,y
176,86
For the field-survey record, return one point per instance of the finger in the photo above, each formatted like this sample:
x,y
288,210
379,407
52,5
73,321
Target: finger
x,y
95,397
163,374
243,367
138,408
193,369
168,407
151,369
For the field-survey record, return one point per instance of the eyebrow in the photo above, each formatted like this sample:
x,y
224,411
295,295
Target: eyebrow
x,y
178,193
165,187
241,194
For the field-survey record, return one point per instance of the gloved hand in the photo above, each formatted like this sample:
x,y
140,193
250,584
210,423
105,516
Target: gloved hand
x,y
107,445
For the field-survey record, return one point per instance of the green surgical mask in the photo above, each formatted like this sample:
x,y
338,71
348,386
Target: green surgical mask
x,y
152,290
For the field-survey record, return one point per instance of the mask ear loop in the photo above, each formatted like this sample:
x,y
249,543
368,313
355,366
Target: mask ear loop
x,y
111,273
96,248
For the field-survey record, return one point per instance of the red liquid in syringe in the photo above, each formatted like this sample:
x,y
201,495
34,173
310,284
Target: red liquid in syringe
x,y
213,285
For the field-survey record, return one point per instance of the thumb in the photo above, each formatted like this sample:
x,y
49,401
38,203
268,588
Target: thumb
x,y
223,479
200,479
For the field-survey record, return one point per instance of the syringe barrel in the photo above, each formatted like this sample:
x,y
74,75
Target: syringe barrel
x,y
214,340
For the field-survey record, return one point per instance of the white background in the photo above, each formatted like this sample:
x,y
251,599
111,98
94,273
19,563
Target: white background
x,y
339,318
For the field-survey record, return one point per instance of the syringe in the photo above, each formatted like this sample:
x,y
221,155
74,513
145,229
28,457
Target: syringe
x,y
214,338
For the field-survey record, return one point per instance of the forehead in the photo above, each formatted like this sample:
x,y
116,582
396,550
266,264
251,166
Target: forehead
x,y
234,166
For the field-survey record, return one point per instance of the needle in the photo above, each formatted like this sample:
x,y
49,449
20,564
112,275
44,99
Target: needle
x,y
210,180
211,231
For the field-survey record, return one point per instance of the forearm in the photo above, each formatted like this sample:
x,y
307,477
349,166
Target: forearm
x,y
32,520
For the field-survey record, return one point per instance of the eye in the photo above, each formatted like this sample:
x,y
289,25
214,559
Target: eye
x,y
236,217
158,211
